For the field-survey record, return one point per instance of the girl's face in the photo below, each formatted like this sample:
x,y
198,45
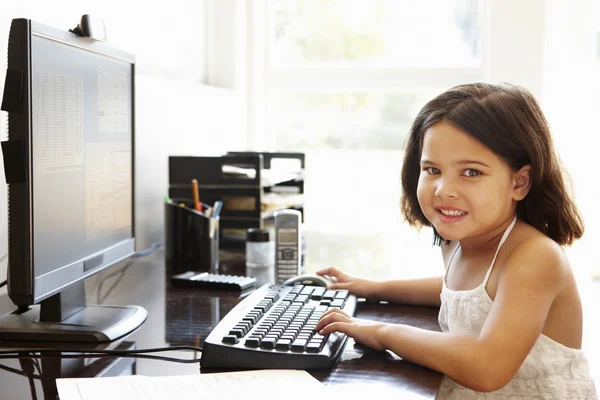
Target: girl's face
x,y
464,189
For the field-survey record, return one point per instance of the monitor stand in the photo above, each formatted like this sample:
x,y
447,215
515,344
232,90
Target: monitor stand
x,y
65,317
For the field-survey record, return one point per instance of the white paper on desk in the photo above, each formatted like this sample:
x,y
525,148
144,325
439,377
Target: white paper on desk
x,y
362,391
219,386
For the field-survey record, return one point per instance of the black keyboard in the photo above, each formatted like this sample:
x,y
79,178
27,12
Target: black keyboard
x,y
274,328
204,280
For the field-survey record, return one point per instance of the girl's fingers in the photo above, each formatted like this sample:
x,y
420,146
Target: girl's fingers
x,y
323,271
330,318
334,310
331,271
339,285
335,327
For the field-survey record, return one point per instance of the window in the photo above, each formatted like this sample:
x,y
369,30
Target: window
x,y
384,32
342,81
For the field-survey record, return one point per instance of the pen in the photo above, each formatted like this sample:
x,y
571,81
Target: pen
x,y
197,204
216,210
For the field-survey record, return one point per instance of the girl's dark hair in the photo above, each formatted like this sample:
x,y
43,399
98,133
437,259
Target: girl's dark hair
x,y
507,120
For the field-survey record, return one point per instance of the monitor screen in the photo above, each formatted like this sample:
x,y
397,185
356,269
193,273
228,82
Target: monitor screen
x,y
69,165
82,153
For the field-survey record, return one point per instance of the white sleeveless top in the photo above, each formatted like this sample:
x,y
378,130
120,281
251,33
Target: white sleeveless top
x,y
550,371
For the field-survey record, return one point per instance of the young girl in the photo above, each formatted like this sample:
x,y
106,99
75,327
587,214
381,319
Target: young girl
x,y
481,170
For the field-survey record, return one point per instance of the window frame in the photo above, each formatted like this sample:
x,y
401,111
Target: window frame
x,y
237,58
266,78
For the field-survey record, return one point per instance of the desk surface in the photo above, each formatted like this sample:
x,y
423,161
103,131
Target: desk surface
x,y
186,317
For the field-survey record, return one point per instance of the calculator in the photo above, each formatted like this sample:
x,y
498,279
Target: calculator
x,y
205,280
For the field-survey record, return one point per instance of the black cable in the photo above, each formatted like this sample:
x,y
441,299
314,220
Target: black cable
x,y
37,366
28,368
145,252
99,298
104,351
84,353
3,283
95,355
18,371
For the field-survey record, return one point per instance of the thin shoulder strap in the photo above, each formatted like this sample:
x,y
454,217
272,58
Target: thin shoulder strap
x,y
451,258
506,233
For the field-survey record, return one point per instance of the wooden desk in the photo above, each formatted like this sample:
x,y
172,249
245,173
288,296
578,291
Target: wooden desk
x,y
183,316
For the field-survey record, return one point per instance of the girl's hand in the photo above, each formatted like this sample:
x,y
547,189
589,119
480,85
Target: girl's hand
x,y
362,331
358,286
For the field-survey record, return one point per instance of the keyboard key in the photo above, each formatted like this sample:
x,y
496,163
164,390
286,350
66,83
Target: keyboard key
x,y
283,344
251,318
321,343
330,294
313,347
337,303
252,341
299,345
307,290
231,339
268,343
237,332
319,338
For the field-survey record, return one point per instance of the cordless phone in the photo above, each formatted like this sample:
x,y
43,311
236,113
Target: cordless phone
x,y
287,244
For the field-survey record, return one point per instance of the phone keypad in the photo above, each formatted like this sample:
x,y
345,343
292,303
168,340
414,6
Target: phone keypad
x,y
287,262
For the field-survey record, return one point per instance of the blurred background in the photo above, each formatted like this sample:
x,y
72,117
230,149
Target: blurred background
x,y
340,80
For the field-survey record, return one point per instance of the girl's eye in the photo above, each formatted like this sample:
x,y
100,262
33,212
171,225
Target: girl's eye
x,y
432,170
472,172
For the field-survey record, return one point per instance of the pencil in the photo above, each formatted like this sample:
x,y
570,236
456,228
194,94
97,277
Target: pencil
x,y
196,193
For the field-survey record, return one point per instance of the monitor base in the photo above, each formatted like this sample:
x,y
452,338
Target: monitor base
x,y
93,323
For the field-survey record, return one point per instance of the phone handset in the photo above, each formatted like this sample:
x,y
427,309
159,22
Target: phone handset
x,y
288,247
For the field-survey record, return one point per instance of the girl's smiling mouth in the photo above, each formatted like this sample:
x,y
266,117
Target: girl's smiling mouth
x,y
450,214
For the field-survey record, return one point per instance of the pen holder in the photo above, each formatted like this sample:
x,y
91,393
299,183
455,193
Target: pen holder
x,y
191,239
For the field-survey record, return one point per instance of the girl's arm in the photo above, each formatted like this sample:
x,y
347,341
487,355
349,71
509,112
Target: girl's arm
x,y
424,292
531,279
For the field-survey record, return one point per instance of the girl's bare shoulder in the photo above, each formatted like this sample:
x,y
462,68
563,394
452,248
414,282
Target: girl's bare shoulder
x,y
535,252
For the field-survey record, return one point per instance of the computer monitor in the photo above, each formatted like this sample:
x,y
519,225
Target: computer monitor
x,y
69,167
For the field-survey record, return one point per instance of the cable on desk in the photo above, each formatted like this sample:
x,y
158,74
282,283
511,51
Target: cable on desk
x,y
36,362
18,371
99,298
142,253
145,252
28,367
100,355
87,353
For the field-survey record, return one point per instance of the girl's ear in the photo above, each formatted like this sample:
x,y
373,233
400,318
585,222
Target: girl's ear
x,y
521,182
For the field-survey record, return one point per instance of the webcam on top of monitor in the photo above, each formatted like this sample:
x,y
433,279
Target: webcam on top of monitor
x,y
90,27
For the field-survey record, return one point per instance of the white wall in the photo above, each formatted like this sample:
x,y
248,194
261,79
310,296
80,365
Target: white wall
x,y
176,114
571,103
